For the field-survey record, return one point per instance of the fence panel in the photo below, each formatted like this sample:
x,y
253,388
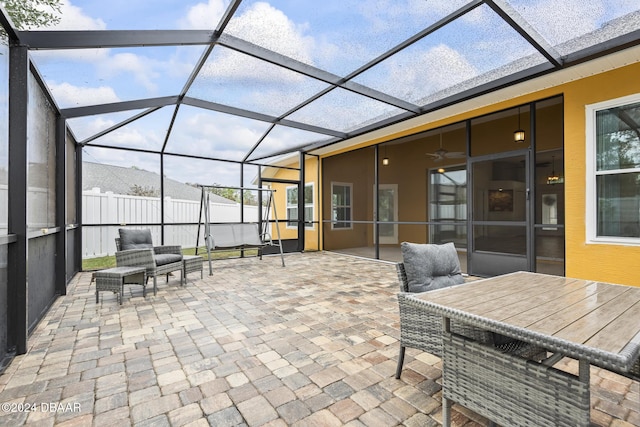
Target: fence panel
x,y
108,208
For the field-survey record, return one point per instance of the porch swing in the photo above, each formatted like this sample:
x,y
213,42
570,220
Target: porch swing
x,y
237,236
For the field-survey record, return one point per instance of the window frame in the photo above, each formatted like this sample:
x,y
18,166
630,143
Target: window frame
x,y
308,222
350,206
591,199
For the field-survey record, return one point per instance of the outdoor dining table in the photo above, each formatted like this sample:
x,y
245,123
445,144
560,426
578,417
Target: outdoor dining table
x,y
595,323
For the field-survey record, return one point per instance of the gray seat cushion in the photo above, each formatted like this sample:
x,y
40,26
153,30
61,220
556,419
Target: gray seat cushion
x,y
431,266
135,239
162,259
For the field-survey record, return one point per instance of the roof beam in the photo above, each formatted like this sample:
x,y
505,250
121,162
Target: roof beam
x,y
203,58
259,116
286,151
488,87
118,125
116,107
261,53
228,14
604,48
41,40
518,23
257,144
8,25
429,30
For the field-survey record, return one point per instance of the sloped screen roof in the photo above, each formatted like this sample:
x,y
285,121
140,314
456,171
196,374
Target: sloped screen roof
x,y
249,80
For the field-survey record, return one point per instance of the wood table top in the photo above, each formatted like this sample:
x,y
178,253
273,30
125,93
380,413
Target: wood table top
x,y
595,320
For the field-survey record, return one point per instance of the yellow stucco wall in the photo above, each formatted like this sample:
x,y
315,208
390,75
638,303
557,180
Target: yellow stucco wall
x,y
605,262
280,199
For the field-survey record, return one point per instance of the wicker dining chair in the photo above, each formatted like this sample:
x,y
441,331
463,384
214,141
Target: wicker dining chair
x,y
423,331
135,248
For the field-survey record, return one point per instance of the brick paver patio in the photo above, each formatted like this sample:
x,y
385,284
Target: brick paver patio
x,y
311,344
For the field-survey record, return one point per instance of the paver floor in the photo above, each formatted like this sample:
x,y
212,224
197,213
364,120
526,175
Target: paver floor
x,y
311,344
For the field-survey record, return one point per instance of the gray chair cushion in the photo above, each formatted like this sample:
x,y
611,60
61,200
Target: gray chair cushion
x,y
431,266
162,259
135,239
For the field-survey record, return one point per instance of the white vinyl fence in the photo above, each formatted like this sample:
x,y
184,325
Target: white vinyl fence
x,y
109,208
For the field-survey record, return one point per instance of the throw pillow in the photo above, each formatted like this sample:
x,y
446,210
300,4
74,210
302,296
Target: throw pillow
x,y
135,239
430,266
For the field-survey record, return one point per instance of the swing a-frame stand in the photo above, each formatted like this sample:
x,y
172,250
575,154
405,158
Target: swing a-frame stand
x,y
237,236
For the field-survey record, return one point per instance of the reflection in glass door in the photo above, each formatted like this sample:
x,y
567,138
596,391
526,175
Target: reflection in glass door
x,y
500,215
448,205
388,212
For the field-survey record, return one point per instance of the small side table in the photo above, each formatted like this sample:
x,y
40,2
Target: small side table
x,y
191,263
114,279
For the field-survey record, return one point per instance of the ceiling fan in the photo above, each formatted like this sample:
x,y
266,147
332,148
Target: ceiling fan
x,y
442,153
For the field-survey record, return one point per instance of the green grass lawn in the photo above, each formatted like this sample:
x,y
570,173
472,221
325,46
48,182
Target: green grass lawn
x,y
100,263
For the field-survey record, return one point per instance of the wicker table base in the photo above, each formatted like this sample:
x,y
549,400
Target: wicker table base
x,y
191,263
114,279
510,390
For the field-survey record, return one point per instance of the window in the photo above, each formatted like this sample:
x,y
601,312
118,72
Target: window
x,y
341,205
292,206
613,167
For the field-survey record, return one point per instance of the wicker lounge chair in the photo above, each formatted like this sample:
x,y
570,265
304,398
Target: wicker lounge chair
x,y
135,248
423,331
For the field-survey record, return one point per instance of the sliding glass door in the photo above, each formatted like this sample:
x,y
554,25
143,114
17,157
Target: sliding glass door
x,y
500,224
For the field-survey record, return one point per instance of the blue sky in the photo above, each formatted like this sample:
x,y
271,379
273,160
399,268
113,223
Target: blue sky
x,y
336,35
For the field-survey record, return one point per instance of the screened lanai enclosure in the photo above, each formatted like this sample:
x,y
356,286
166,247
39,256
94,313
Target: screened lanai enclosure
x,y
113,116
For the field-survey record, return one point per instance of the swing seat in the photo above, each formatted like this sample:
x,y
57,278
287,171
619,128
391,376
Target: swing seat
x,y
237,236
229,236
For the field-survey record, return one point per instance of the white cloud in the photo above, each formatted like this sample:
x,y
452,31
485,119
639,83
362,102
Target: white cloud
x,y
73,18
444,67
410,11
68,95
204,15
109,64
136,137
262,25
140,67
83,128
427,72
181,62
269,27
563,21
219,136
130,137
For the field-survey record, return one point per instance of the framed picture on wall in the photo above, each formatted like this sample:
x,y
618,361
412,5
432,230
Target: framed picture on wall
x,y
501,200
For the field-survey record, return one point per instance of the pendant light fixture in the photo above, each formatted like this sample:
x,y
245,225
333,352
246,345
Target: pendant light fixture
x,y
518,135
553,178
385,159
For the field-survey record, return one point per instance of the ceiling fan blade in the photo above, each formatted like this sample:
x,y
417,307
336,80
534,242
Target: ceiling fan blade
x,y
455,155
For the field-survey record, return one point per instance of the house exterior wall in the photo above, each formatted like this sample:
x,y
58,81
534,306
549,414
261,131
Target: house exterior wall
x,y
312,234
605,262
614,263
357,170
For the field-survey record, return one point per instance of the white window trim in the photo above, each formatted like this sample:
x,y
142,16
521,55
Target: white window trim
x,y
591,202
311,205
342,184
